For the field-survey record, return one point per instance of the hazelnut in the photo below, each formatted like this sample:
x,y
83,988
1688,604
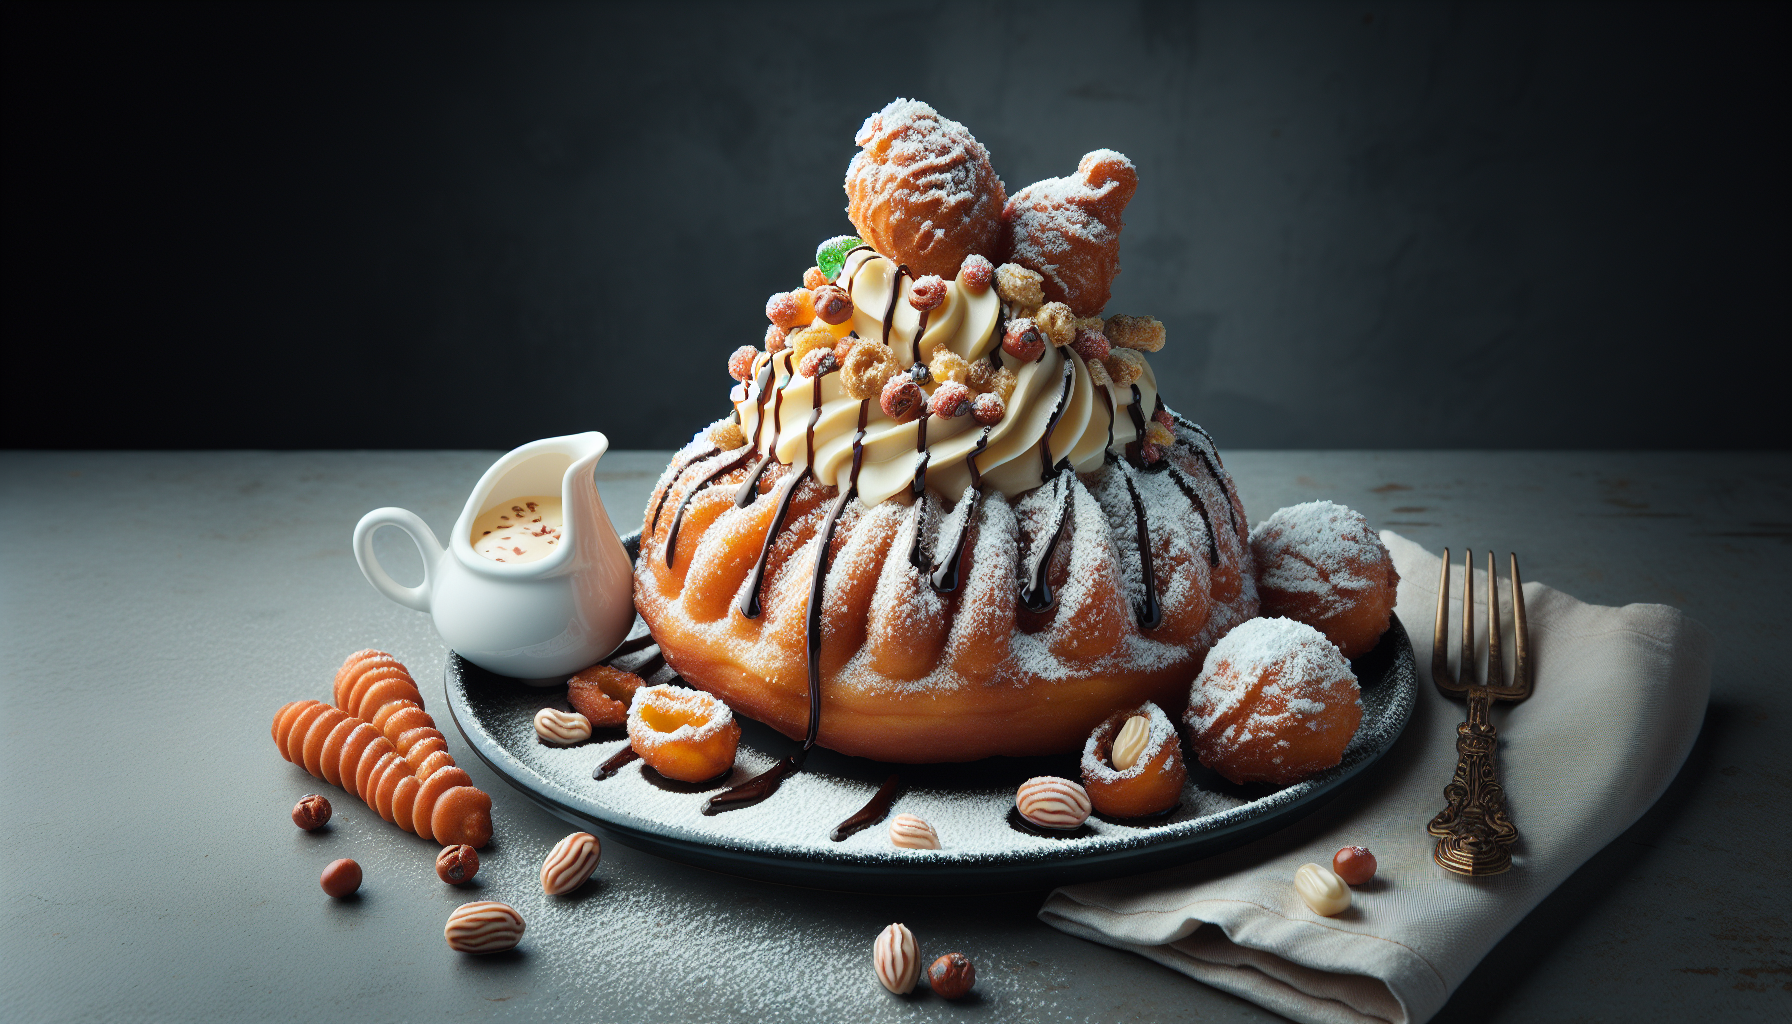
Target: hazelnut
x,y
1022,340
818,363
740,364
988,409
1091,345
457,864
976,273
1354,864
928,292
951,399
341,878
312,812
832,305
902,399
952,975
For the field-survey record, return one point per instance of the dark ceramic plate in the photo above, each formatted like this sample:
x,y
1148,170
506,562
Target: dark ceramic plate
x,y
986,848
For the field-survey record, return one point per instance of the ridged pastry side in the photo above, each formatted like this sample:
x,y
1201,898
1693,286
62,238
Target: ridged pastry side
x,y
910,674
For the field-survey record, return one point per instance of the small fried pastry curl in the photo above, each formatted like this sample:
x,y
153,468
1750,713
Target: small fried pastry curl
x,y
808,340
949,365
1124,365
602,694
1143,333
1022,289
683,734
1068,229
1056,323
923,191
868,366
727,436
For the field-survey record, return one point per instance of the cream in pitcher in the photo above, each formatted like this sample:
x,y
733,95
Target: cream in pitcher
x,y
534,582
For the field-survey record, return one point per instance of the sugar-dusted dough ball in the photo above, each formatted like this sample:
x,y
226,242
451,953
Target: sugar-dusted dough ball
x,y
1320,563
922,191
1068,229
1276,702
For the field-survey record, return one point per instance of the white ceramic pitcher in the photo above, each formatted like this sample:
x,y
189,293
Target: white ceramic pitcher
x,y
540,620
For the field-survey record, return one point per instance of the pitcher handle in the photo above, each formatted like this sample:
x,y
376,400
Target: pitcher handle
x,y
416,597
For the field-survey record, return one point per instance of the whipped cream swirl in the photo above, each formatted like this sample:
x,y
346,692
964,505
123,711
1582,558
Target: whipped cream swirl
x,y
1017,452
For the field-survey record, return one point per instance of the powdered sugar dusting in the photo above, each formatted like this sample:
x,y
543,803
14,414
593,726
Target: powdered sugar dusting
x,y
1322,551
1266,677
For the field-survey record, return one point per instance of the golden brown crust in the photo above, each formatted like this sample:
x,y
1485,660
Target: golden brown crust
x,y
923,190
1068,229
1153,789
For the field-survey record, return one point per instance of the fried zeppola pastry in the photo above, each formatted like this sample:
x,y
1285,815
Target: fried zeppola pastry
x,y
1322,564
1133,765
922,191
1068,229
1275,703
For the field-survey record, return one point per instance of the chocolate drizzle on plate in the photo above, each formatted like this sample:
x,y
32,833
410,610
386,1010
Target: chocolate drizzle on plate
x,y
623,758
754,789
873,812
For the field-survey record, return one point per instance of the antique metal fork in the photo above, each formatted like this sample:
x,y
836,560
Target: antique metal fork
x,y
1473,830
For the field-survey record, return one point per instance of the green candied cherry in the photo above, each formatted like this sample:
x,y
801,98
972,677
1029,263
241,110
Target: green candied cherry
x,y
830,256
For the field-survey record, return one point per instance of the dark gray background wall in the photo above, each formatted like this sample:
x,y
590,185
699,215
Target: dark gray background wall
x,y
1366,224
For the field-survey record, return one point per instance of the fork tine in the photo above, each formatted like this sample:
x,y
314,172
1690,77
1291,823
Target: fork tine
x,y
1521,673
1468,617
1496,662
1440,631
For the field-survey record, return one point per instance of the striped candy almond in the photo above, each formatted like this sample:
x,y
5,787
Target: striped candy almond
x,y
486,926
570,863
1051,802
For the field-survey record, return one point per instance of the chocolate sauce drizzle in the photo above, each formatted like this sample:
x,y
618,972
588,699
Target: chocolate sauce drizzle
x,y
945,579
1189,491
1150,614
870,814
615,764
1046,469
754,789
1136,446
1213,469
890,306
919,490
670,484
1037,595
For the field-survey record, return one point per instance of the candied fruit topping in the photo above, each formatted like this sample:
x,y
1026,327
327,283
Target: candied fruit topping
x,y
782,310
1098,373
1023,340
927,293
727,435
1004,384
1143,333
1124,365
808,340
948,365
832,305
805,305
976,273
740,364
1158,434
981,377
866,369
1057,323
774,338
988,409
830,256
902,399
950,399
818,363
1163,416
1022,289
1150,453
813,279
1091,345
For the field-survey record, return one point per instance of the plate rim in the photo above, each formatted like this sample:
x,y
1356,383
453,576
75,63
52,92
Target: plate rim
x,y
1014,871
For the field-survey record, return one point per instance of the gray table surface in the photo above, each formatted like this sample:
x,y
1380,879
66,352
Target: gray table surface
x,y
155,608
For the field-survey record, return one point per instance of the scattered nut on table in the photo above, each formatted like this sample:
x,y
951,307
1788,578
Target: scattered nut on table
x,y
1054,803
570,863
1354,864
896,959
341,878
912,833
561,728
486,926
1322,890
312,812
952,975
457,864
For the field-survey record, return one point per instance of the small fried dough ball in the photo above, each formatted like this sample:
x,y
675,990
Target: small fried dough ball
x,y
1275,702
1151,782
1320,563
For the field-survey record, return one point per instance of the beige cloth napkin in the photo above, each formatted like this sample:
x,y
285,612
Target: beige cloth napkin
x,y
1620,694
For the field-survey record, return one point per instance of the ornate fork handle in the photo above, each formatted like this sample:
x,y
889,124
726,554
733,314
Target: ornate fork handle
x,y
1473,827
